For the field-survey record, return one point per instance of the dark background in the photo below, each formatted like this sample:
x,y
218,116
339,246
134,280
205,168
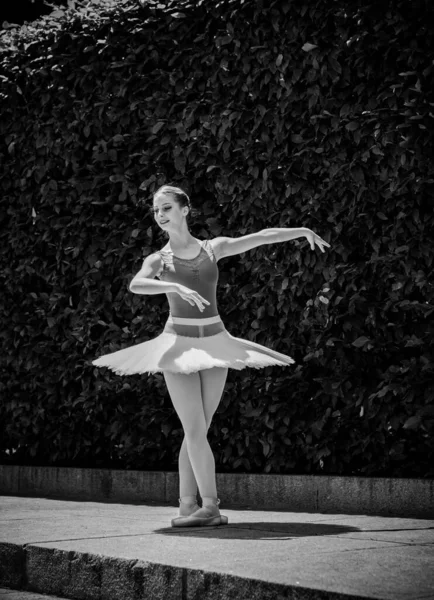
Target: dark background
x,y
225,99
20,11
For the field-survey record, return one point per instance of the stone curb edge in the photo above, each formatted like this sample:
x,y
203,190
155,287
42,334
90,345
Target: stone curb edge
x,y
85,576
297,493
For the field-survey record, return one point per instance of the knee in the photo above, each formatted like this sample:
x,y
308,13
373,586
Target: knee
x,y
196,432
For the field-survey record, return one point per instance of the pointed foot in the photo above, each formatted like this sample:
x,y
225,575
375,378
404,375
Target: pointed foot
x,y
192,521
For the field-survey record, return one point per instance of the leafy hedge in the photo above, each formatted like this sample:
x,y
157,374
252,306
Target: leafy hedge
x,y
28,10
292,114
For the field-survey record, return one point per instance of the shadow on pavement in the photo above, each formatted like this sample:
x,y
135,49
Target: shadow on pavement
x,y
260,530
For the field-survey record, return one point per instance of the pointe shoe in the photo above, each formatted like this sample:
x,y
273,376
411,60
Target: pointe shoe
x,y
207,516
185,509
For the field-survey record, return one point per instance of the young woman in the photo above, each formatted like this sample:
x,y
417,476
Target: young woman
x,y
195,350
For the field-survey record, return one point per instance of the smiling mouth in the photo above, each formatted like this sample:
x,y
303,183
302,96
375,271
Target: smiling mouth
x,y
163,222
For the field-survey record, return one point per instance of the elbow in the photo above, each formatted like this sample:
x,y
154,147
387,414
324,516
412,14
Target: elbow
x,y
131,287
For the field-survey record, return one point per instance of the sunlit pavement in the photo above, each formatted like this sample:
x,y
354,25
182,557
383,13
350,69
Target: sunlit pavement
x,y
106,550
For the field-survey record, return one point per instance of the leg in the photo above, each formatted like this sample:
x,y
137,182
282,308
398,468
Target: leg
x,y
212,384
186,394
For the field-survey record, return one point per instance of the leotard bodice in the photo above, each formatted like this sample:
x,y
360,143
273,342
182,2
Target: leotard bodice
x,y
200,274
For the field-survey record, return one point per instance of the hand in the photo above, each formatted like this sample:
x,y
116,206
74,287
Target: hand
x,y
313,239
192,297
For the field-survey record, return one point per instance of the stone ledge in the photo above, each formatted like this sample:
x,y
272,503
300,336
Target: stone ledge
x,y
83,576
296,493
12,565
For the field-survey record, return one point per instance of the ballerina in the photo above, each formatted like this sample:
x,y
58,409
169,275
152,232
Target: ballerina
x,y
195,351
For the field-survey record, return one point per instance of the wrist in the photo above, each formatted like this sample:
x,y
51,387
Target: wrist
x,y
174,288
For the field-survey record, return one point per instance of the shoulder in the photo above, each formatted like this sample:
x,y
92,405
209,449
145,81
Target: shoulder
x,y
151,267
218,245
152,259
159,256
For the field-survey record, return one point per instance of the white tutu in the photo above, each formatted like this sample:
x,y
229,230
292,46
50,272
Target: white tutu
x,y
177,353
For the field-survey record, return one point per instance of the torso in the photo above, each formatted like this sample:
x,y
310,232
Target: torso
x,y
198,272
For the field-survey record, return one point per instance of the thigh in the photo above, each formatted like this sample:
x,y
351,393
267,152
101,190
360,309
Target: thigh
x,y
212,386
186,395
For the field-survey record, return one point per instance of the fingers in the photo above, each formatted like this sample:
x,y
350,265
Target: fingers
x,y
200,302
196,300
202,299
321,243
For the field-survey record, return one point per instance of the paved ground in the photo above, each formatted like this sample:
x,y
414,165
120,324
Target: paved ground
x,y
357,556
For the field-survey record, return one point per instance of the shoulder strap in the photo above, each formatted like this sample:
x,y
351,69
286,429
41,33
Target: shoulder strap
x,y
165,255
165,258
209,250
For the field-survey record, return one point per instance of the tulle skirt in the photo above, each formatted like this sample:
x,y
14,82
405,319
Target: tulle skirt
x,y
190,345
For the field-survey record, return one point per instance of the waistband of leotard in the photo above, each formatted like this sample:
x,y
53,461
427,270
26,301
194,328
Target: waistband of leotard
x,y
183,321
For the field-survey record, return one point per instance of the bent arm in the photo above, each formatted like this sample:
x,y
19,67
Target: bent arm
x,y
144,282
143,285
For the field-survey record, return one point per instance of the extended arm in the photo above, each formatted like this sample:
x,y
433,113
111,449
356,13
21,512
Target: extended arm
x,y
226,246
283,234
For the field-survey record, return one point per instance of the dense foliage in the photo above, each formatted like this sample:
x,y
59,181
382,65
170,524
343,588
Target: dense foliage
x,y
23,11
295,114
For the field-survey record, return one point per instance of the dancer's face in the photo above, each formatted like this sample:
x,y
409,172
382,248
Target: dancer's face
x,y
168,214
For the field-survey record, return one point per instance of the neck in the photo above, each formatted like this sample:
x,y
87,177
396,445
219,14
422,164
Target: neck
x,y
181,239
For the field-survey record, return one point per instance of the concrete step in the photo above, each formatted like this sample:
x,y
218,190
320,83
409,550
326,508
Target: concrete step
x,y
107,551
389,497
